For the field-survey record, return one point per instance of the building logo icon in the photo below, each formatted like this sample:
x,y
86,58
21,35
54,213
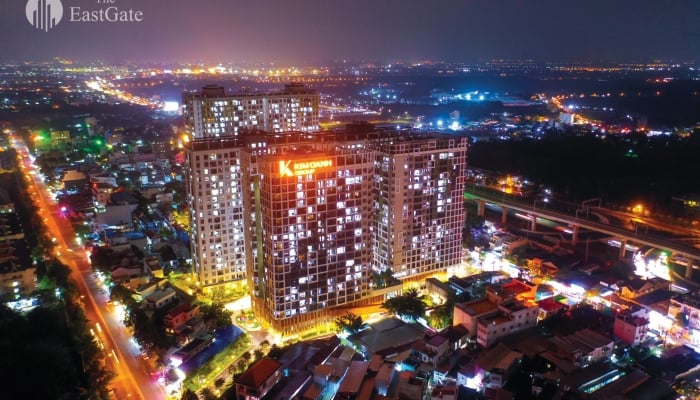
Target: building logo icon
x,y
44,14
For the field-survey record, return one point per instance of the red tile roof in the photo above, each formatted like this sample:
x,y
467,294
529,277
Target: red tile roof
x,y
259,372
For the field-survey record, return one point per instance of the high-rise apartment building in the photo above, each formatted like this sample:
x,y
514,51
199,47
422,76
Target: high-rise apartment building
x,y
213,112
215,197
304,218
418,201
215,121
314,212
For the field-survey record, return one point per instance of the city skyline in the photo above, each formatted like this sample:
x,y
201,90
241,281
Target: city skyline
x,y
386,31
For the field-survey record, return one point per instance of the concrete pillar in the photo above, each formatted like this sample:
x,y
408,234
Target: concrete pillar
x,y
623,250
574,237
504,215
480,208
689,269
533,223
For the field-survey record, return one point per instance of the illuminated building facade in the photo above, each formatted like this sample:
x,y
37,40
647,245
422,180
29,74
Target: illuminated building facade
x,y
297,216
215,198
313,220
418,196
214,113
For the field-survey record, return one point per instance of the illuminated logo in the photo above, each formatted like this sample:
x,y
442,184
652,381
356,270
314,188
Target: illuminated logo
x,y
289,168
44,14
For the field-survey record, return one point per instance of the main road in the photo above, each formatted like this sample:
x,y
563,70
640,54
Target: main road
x,y
131,378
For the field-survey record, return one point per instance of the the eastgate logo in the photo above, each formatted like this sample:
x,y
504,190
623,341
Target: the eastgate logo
x,y
46,14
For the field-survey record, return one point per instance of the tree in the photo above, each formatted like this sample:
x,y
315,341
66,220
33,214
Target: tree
x,y
189,395
208,394
219,382
410,304
349,323
102,258
247,356
275,351
385,278
441,317
258,354
216,313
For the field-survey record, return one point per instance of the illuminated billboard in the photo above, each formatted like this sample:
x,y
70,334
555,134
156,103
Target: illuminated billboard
x,y
305,167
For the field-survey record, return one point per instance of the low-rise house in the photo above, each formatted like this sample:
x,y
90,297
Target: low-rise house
x,y
115,216
258,380
495,366
549,307
179,316
583,347
147,289
467,314
444,393
160,298
410,387
631,328
350,386
511,318
432,350
637,287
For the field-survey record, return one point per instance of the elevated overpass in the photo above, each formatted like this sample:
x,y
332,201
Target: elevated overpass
x,y
507,202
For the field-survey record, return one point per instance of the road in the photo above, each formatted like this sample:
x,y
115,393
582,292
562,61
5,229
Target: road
x,y
131,379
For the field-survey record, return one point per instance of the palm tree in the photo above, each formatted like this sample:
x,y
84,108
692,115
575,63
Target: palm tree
x,y
349,322
208,394
189,395
410,304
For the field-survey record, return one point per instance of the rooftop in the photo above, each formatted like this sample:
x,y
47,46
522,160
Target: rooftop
x,y
389,333
550,305
478,307
500,356
259,372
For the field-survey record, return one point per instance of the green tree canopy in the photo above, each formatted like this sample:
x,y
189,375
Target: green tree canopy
x,y
349,323
410,305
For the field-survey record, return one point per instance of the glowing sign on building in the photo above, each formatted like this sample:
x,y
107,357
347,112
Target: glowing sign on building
x,y
299,168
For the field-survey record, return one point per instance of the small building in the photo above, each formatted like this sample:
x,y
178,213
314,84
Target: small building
x,y
75,180
512,317
549,307
467,314
438,290
350,387
179,316
630,328
147,289
258,380
160,298
638,287
583,347
495,366
409,386
16,281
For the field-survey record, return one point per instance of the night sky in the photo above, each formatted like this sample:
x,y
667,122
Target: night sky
x,y
317,31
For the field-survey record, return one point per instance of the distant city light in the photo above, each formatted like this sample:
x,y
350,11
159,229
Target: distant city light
x,y
171,106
